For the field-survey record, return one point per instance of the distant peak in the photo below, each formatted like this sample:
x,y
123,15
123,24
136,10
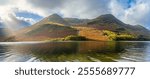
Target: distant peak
x,y
107,16
107,19
55,18
55,15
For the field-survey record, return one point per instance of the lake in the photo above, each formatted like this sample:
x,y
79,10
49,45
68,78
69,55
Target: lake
x,y
89,51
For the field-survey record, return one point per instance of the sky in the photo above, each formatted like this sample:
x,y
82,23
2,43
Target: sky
x,y
20,13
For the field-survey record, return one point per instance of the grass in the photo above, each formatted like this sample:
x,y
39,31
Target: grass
x,y
91,33
117,37
70,38
75,38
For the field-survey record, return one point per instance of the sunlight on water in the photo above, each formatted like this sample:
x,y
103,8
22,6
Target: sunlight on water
x,y
11,43
75,51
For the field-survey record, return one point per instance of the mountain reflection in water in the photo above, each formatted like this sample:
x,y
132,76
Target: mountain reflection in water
x,y
75,52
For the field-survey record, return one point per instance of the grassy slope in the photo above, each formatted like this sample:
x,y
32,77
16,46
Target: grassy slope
x,y
46,31
54,26
91,33
50,27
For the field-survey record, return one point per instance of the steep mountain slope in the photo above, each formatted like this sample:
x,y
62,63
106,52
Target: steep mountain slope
x,y
109,22
54,26
50,27
92,33
47,31
108,18
57,19
54,18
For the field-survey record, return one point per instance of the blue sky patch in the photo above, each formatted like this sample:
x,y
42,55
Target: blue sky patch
x,y
26,14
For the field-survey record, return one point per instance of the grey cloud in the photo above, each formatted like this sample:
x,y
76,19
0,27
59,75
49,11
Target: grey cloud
x,y
1,25
47,4
136,14
73,8
86,8
4,2
16,23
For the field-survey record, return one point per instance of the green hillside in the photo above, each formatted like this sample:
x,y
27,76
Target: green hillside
x,y
111,23
103,28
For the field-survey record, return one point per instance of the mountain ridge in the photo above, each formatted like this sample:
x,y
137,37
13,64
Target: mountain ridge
x,y
66,26
110,22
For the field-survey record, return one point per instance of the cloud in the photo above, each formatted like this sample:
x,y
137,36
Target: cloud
x,y
28,15
0,20
73,8
138,13
1,25
4,2
126,3
85,8
29,21
47,4
15,23
12,12
31,11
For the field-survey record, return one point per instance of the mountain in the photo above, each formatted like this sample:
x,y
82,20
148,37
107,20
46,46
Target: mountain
x,y
54,26
50,27
110,22
54,18
106,19
106,22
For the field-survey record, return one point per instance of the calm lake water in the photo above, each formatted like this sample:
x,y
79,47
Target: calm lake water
x,y
75,52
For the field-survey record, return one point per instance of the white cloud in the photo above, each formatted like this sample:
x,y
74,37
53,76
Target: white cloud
x,y
13,5
67,8
116,9
138,13
8,17
4,2
28,20
14,23
85,8
73,8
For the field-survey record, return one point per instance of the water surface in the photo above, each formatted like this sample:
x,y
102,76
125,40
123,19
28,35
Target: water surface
x,y
89,51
